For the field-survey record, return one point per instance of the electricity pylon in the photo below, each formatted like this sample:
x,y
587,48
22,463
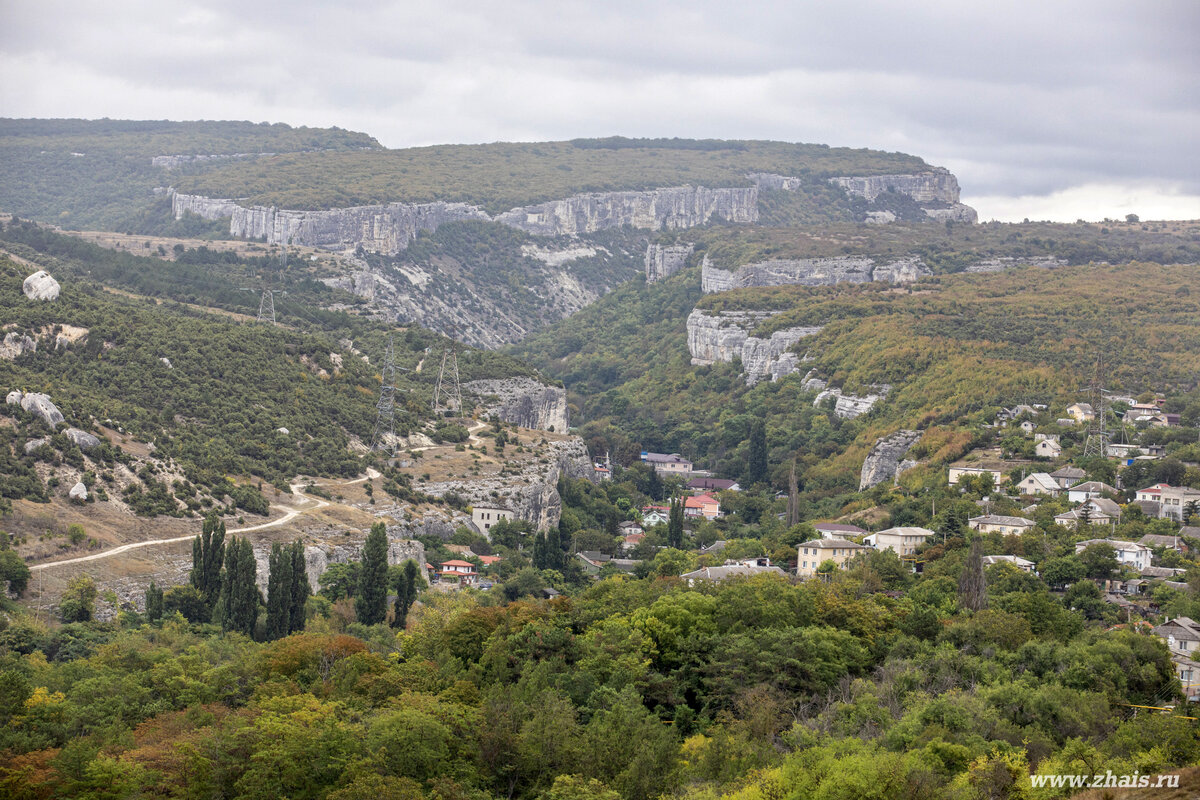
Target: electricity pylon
x,y
448,384
1097,440
384,436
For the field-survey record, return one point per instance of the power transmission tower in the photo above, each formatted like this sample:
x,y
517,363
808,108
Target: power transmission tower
x,y
266,307
448,385
384,436
1097,440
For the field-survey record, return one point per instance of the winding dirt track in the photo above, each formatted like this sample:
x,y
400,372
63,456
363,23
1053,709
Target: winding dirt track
x,y
289,514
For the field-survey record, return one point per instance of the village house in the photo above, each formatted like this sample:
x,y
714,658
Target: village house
x,y
1151,493
1139,412
1018,562
1068,476
733,569
1128,553
837,530
489,560
1086,491
1182,635
632,540
702,505
484,517
703,485
1047,448
655,515
1169,542
994,523
1097,511
1175,501
1028,427
1081,412
903,541
811,555
962,469
1188,672
460,572
670,464
1039,483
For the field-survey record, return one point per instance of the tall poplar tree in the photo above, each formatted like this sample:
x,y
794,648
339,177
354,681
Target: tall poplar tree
x,y
407,586
279,592
370,604
237,608
675,524
154,603
756,468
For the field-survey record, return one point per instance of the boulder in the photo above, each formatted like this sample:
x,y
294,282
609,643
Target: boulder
x,y
884,461
15,345
78,492
13,398
34,444
40,286
41,407
82,439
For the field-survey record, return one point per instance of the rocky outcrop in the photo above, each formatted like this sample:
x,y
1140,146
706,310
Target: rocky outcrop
x,y
82,439
672,208
41,286
937,185
726,335
813,272
78,492
523,402
664,260
16,345
174,162
319,557
37,404
203,207
848,406
770,358
883,462
34,444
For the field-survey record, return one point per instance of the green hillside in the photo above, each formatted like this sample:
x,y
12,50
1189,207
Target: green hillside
x,y
231,383
501,176
954,349
97,174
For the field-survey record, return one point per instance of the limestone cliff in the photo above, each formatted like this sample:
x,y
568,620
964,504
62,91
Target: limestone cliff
x,y
389,228
849,406
726,335
813,272
883,462
655,209
319,557
523,402
935,190
664,260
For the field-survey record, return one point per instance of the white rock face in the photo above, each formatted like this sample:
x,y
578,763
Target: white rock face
x,y
664,260
725,336
935,186
16,345
656,209
70,334
849,406
78,492
13,398
40,286
84,440
41,407
524,402
319,558
813,272
884,461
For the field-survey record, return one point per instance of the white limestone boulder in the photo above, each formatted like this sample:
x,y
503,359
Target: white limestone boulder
x,y
41,286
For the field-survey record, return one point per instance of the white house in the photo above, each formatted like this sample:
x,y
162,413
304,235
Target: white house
x,y
1082,492
1081,412
1131,553
811,555
484,517
1018,562
1048,448
903,541
1039,483
671,464
1182,635
995,523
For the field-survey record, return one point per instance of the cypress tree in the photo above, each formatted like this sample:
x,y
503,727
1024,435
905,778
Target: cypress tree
x,y
208,552
371,602
279,592
238,603
407,586
675,524
154,603
972,584
300,588
793,506
756,468
540,551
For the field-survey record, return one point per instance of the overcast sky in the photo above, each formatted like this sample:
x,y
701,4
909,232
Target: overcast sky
x,y
1048,109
